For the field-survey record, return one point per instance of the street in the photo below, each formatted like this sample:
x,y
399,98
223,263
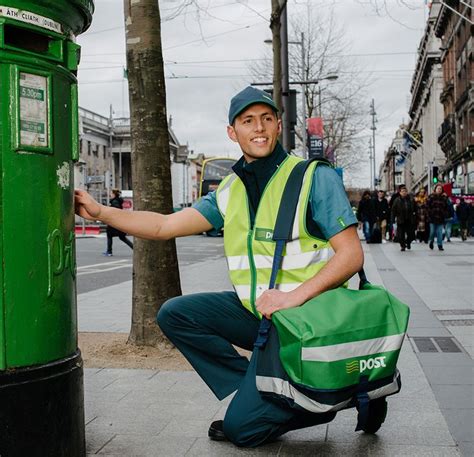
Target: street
x,y
94,271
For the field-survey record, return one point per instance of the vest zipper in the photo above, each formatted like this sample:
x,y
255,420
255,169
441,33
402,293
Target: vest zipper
x,y
253,271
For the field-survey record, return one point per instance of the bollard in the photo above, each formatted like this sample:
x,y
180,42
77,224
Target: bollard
x,y
41,374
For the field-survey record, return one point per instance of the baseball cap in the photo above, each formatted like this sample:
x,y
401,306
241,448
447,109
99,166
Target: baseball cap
x,y
245,98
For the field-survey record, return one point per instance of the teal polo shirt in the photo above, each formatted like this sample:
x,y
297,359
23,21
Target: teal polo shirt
x,y
329,210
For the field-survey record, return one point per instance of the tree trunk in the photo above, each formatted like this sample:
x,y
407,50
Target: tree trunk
x,y
275,26
155,263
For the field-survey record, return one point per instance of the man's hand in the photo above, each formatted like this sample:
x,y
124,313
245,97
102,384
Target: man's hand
x,y
273,300
86,206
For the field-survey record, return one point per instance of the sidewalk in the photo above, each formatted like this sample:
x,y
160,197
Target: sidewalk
x,y
150,413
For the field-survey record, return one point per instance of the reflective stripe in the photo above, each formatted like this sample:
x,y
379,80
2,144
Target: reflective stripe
x,y
354,349
290,261
244,291
223,195
279,386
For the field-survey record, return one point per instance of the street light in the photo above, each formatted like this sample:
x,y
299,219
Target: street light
x,y
302,83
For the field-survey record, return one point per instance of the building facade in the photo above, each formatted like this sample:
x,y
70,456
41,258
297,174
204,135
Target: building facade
x,y
426,110
393,170
105,159
456,132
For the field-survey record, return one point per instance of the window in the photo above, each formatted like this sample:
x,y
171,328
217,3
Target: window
x,y
89,148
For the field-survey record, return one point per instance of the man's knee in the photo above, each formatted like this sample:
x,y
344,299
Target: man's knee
x,y
242,433
170,314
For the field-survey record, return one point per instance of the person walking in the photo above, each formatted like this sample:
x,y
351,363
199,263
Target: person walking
x,y
448,222
422,227
324,253
366,215
404,213
382,212
462,212
115,202
437,213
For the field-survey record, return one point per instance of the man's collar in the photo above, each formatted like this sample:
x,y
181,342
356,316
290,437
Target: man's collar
x,y
264,166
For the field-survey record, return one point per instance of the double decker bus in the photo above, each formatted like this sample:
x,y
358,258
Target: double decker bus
x,y
214,170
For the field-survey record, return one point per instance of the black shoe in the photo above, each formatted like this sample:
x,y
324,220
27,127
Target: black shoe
x,y
431,245
441,248
408,246
216,431
377,415
402,249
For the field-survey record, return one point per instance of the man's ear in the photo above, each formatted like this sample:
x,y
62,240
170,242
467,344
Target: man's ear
x,y
231,133
279,126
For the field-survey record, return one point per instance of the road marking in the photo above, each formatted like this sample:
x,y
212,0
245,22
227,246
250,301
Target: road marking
x,y
82,273
100,264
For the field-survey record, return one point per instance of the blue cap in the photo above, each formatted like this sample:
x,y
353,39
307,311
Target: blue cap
x,y
249,96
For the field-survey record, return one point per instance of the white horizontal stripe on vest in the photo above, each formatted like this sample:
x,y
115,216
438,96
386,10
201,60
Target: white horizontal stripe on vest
x,y
353,349
224,194
281,387
244,291
290,261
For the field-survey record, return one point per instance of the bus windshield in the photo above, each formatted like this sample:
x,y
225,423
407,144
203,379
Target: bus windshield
x,y
213,172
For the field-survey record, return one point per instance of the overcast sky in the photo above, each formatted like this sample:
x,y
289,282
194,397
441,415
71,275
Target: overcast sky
x,y
202,75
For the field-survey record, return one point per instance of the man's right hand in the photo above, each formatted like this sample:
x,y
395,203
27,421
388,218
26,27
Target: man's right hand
x,y
86,206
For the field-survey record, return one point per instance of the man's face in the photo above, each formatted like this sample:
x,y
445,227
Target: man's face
x,y
256,130
381,194
403,192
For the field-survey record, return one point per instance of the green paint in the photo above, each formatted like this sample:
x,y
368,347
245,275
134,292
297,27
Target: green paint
x,y
38,315
262,234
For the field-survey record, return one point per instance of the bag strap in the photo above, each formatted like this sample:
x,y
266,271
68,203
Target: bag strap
x,y
282,233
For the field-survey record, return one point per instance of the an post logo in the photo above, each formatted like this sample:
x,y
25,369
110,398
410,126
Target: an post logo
x,y
365,364
262,234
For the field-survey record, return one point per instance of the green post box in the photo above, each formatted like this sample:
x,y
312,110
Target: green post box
x,y
41,377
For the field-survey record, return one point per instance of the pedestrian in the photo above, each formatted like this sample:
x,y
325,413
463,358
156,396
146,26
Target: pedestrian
x,y
462,212
366,214
382,212
437,213
448,222
325,252
404,214
392,224
115,202
422,227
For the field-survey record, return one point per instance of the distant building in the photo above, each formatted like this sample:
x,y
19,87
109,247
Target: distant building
x,y
393,170
105,159
456,132
426,110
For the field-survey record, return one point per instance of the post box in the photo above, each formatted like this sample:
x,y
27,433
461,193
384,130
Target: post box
x,y
41,376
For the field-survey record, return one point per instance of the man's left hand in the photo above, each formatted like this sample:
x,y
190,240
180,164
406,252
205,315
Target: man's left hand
x,y
273,300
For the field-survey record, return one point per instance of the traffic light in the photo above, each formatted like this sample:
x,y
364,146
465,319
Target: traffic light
x,y
434,175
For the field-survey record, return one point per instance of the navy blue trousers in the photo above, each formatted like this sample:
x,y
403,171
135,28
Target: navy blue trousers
x,y
204,327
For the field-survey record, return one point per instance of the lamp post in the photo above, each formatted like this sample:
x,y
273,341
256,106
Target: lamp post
x,y
302,83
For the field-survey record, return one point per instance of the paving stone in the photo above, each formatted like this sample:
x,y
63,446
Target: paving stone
x,y
440,375
206,447
189,428
170,446
466,448
407,434
130,445
97,438
462,423
459,397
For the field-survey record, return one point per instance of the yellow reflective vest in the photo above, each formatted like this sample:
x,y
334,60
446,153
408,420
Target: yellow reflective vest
x,y
249,250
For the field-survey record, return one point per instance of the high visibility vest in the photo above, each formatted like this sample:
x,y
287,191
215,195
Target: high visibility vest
x,y
250,249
